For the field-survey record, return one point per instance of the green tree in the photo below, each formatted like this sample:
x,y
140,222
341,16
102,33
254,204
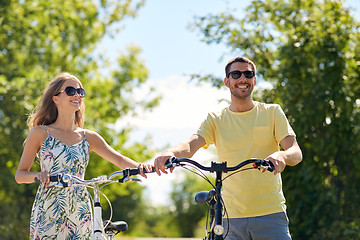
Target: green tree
x,y
39,39
157,222
186,213
309,51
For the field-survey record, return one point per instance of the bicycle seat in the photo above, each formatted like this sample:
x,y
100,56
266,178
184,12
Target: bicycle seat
x,y
119,226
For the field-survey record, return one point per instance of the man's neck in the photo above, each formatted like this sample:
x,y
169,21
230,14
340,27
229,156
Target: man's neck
x,y
242,105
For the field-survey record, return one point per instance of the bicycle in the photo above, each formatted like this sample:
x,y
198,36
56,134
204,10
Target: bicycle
x,y
99,227
213,197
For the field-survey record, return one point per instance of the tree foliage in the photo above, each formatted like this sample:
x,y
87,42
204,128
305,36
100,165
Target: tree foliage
x,y
309,51
186,213
38,40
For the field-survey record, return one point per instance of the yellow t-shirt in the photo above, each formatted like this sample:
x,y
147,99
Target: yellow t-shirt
x,y
240,136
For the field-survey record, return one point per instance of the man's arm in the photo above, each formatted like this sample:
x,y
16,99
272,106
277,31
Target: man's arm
x,y
291,155
185,149
292,151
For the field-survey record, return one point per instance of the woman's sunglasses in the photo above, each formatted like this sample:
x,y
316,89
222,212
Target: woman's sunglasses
x,y
70,91
237,74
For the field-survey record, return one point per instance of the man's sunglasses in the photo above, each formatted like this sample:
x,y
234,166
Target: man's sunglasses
x,y
237,74
70,91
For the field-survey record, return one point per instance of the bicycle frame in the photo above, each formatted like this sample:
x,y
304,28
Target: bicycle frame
x,y
218,229
216,207
98,222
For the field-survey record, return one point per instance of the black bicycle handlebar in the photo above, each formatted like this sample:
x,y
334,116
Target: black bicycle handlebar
x,y
222,167
213,197
53,178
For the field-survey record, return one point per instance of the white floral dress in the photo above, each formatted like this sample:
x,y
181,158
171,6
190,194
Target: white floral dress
x,y
62,213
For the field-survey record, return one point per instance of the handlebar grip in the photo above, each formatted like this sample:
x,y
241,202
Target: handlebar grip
x,y
170,162
53,178
268,164
152,170
133,171
271,167
136,171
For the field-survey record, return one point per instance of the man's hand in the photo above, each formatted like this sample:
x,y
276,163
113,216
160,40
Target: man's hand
x,y
290,156
278,161
160,161
185,149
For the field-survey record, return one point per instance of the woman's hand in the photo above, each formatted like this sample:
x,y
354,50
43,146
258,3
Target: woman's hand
x,y
44,177
146,168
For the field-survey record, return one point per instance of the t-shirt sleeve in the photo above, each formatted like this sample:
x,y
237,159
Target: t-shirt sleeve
x,y
282,126
207,131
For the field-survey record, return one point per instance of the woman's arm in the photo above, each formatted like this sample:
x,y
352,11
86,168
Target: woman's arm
x,y
185,149
102,148
32,145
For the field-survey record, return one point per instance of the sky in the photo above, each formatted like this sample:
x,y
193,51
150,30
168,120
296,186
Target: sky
x,y
171,51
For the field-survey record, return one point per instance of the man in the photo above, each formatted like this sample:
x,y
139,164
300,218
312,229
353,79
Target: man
x,y
247,129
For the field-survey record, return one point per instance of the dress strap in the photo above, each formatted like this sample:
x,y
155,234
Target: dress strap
x,y
84,136
47,129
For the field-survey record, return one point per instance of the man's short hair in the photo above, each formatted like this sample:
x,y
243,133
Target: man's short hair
x,y
239,59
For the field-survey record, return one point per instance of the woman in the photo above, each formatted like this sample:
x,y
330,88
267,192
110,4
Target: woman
x,y
62,145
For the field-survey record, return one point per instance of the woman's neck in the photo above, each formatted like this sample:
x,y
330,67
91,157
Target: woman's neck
x,y
66,123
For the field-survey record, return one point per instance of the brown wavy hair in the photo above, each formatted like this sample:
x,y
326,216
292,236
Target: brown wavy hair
x,y
46,111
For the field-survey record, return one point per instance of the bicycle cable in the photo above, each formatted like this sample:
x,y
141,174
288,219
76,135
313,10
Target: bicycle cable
x,y
202,175
102,194
237,171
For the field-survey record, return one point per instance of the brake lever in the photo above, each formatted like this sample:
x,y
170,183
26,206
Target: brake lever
x,y
170,165
136,179
126,179
59,184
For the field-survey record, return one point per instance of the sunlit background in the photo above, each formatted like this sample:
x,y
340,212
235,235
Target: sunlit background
x,y
171,49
